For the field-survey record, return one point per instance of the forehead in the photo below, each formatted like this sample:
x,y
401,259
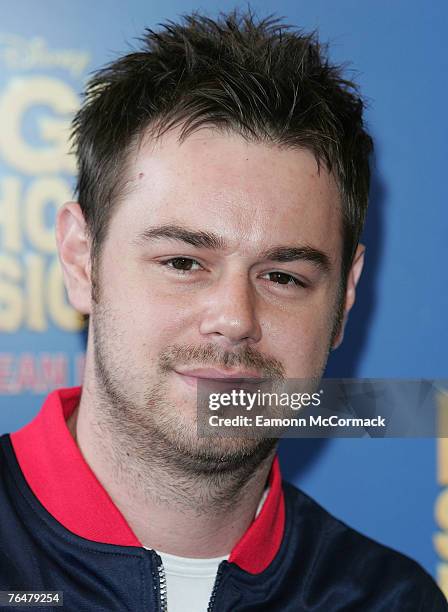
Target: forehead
x,y
253,194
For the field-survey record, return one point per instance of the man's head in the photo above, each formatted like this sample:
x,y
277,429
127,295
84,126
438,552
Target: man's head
x,y
263,81
223,184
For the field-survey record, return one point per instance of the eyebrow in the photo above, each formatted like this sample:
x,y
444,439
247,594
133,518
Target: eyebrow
x,y
196,238
209,240
304,253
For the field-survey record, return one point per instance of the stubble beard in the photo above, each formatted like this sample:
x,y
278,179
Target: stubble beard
x,y
150,439
153,444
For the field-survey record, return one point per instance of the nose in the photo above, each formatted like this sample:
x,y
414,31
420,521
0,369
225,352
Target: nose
x,y
230,316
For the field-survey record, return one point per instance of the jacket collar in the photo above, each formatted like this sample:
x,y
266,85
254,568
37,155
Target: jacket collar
x,y
64,484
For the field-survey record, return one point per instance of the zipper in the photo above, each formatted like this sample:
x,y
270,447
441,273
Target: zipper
x,y
211,603
162,588
159,578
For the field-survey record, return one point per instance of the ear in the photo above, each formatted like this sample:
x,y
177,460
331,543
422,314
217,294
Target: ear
x,y
350,292
74,254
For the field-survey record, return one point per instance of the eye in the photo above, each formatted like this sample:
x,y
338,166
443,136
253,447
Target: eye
x,y
282,278
181,264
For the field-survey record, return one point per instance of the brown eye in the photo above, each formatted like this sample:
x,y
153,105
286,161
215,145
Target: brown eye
x,y
281,278
182,263
287,280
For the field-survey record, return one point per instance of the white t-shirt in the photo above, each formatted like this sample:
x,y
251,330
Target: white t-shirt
x,y
189,582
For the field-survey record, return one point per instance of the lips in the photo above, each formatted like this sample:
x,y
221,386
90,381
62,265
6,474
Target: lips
x,y
224,377
221,375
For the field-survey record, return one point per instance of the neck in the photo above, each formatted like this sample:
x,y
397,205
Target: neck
x,y
168,506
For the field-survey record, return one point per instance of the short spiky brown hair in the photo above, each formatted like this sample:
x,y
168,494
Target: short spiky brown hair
x,y
262,79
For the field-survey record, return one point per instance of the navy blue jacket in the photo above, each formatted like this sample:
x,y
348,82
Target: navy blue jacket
x,y
307,560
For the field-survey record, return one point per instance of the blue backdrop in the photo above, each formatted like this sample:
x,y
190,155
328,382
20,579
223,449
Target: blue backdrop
x,y
388,489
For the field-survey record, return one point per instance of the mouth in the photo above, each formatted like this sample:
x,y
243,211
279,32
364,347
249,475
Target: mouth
x,y
233,377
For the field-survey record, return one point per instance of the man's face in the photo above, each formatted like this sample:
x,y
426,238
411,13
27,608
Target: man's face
x,y
223,257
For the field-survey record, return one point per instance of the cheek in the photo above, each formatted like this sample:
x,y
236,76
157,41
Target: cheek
x,y
153,321
301,342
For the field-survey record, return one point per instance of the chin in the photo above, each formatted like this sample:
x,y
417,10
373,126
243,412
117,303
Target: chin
x,y
220,454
